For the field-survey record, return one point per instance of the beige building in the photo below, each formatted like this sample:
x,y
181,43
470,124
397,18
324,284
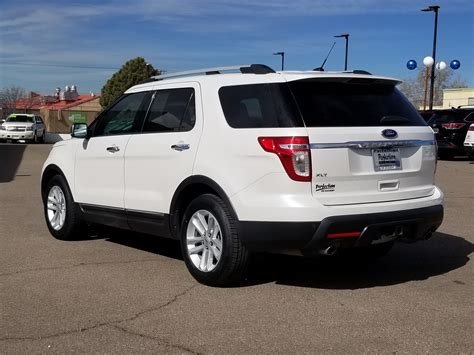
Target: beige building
x,y
63,108
458,97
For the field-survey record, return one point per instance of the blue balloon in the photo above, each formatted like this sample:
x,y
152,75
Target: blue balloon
x,y
455,64
411,64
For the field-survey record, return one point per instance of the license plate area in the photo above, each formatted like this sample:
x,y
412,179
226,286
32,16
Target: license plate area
x,y
386,159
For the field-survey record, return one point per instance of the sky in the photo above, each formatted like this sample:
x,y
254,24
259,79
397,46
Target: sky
x,y
46,44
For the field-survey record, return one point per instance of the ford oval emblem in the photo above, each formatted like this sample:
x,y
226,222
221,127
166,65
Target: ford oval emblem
x,y
389,133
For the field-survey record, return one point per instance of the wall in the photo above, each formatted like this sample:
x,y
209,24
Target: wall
x,y
57,121
457,97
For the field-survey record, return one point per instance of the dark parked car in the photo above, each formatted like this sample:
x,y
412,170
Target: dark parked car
x,y
426,114
450,127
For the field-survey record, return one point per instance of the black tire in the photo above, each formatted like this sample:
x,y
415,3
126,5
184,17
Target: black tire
x,y
34,140
73,227
234,258
41,139
445,155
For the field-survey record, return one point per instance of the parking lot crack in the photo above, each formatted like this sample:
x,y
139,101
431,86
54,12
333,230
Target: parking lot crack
x,y
55,335
115,324
154,309
160,340
65,267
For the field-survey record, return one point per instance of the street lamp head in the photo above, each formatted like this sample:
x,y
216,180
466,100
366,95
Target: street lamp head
x,y
278,53
428,61
441,65
434,8
345,35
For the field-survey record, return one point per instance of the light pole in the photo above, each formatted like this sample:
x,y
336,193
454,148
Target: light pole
x,y
429,64
435,9
282,59
346,36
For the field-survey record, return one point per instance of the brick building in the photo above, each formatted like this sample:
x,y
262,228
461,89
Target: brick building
x,y
62,108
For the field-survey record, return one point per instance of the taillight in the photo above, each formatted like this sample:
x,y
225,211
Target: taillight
x,y
471,127
294,154
453,125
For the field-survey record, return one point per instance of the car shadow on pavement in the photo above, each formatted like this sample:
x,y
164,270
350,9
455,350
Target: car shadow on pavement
x,y
149,243
405,262
11,156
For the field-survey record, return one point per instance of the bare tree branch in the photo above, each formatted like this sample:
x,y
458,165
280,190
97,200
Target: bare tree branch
x,y
9,97
414,88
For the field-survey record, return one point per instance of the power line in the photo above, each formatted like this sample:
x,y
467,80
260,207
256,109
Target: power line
x,y
57,65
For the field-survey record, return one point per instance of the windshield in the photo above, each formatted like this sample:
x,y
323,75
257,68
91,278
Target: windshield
x,y
347,104
20,118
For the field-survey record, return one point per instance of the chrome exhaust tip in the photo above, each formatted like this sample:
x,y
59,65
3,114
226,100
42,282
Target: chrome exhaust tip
x,y
329,250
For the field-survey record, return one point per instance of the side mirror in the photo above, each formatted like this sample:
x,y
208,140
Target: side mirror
x,y
79,130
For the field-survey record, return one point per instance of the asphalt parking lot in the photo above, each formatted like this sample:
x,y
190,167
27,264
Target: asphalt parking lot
x,y
127,293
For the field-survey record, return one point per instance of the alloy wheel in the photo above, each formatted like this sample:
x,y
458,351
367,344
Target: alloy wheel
x,y
56,206
204,240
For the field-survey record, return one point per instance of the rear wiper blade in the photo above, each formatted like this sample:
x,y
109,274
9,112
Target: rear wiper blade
x,y
394,119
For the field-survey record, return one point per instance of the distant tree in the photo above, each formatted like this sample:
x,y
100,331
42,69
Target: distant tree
x,y
131,73
9,96
414,88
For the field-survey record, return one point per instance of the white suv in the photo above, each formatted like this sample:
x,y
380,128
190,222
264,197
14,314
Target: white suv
x,y
23,126
236,160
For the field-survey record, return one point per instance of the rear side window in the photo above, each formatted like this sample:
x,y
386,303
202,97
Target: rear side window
x,y
259,106
334,104
171,111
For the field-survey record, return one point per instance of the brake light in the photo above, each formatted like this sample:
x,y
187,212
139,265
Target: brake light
x,y
453,125
294,154
471,127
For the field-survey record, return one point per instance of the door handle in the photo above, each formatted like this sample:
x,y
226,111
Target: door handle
x,y
113,149
180,146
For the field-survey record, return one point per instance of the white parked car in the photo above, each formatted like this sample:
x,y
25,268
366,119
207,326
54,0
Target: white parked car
x,y
232,161
22,126
469,141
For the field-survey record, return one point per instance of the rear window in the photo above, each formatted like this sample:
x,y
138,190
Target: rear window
x,y
259,106
333,104
448,117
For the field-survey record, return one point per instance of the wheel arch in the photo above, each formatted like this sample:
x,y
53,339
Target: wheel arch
x,y
48,173
188,190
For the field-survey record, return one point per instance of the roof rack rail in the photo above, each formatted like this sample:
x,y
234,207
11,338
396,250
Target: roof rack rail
x,y
358,71
244,69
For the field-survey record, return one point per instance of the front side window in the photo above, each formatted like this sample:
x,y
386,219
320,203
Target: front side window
x,y
171,111
123,116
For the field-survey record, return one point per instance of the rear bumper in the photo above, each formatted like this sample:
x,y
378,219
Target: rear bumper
x,y
347,231
469,148
449,145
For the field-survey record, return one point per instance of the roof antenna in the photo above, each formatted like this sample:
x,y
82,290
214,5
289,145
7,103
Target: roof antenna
x,y
321,68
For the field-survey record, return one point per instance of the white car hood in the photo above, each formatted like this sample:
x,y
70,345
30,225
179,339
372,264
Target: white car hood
x,y
17,124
